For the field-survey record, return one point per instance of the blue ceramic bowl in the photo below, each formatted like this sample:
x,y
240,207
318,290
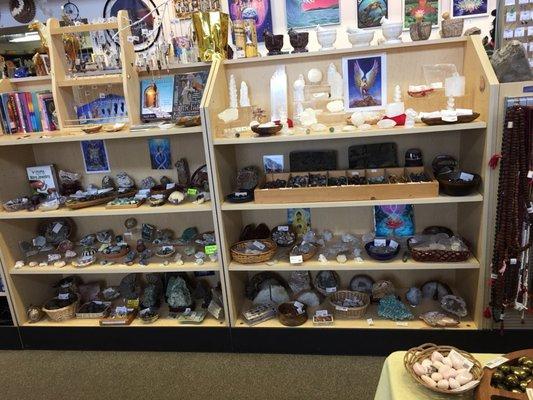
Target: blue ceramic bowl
x,y
380,256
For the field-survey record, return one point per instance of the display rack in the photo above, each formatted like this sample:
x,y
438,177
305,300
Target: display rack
x,y
127,151
471,144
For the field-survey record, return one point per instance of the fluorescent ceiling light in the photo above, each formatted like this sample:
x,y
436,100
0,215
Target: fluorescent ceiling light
x,y
28,37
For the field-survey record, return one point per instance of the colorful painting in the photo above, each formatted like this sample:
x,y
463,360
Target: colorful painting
x,y
300,219
306,13
469,8
258,10
428,10
160,157
394,220
94,156
273,163
370,12
366,86
157,98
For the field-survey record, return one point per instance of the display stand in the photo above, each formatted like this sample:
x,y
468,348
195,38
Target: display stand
x,y
470,143
127,151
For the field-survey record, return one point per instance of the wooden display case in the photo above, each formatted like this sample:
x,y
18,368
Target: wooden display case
x,y
127,151
471,143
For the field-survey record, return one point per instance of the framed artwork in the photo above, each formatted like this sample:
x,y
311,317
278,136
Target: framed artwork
x,y
137,9
469,8
300,219
366,83
305,14
370,12
258,10
273,163
429,10
394,220
94,156
160,156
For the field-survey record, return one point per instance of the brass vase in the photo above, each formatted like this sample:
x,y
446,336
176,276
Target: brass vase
x,y
211,30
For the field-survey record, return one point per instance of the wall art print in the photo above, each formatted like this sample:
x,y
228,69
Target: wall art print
x,y
469,8
370,12
394,220
160,156
307,13
273,163
94,156
258,10
366,86
428,10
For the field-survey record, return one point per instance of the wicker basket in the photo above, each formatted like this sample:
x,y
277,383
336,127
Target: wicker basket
x,y
348,312
417,354
238,252
306,256
62,314
437,255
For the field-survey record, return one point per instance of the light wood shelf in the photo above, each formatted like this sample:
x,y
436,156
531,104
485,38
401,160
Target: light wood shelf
x,y
76,135
101,211
441,199
46,79
61,30
338,134
3,294
351,265
136,268
90,80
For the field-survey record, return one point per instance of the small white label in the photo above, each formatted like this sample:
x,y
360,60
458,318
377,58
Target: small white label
x,y
510,16
340,308
241,194
170,185
508,34
299,311
121,310
321,313
520,32
494,276
530,175
283,228
370,321
54,257
331,289
57,227
495,362
466,362
525,15
530,30
102,95
99,303
63,296
144,31
187,311
296,259
259,245
399,323
466,177
529,393
393,244
509,2
78,61
513,261
297,304
144,192
380,242
373,171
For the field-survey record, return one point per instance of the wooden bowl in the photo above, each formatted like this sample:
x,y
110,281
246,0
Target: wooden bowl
x,y
449,186
462,119
288,314
270,131
92,129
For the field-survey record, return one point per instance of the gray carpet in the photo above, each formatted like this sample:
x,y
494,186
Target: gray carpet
x,y
65,375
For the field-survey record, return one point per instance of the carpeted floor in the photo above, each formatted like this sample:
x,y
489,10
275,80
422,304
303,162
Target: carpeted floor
x,y
43,375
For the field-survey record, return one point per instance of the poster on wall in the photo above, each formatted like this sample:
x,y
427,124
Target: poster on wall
x,y
160,157
366,86
394,220
305,13
428,10
370,12
94,156
258,10
469,8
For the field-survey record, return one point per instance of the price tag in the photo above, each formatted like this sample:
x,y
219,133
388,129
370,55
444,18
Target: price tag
x,y
509,2
393,244
63,296
510,16
321,313
130,39
187,311
57,227
466,362
144,192
102,95
144,31
493,276
121,310
530,175
258,245
192,191
78,61
520,32
399,323
508,33
380,242
296,259
132,303
525,15
241,194
331,289
170,185
297,304
340,308
495,362
466,177
373,171
530,30
513,261
283,228
370,321
98,303
210,249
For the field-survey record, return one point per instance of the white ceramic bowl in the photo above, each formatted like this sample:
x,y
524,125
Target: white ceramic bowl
x,y
392,31
360,39
327,38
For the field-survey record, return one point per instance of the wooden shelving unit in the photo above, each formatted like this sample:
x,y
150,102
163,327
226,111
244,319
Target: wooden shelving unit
x,y
127,151
472,144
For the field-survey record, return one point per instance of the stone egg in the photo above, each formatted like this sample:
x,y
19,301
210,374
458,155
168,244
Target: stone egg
x,y
436,376
443,384
314,75
453,383
436,356
464,378
429,381
426,363
419,369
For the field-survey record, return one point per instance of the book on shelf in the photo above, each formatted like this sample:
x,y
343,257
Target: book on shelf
x,y
43,179
188,92
26,112
157,98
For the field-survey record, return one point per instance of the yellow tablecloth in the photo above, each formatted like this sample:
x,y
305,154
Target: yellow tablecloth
x,y
396,384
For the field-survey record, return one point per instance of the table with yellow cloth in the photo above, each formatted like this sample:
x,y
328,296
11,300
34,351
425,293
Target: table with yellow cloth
x,y
395,383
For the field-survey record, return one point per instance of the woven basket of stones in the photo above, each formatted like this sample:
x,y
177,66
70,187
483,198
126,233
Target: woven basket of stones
x,y
348,304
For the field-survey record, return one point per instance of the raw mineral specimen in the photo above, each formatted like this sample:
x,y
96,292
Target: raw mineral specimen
x,y
510,63
178,294
124,180
184,175
148,183
107,182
